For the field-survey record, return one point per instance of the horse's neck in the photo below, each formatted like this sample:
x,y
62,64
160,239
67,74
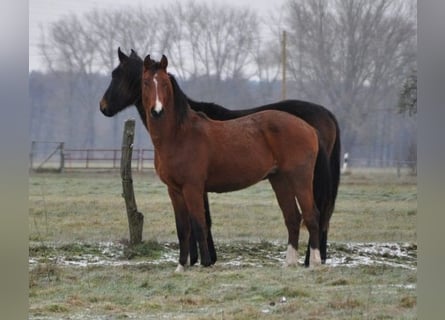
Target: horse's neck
x,y
141,111
174,125
163,138
165,133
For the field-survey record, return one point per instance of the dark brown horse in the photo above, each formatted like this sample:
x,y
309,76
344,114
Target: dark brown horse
x,y
195,154
125,90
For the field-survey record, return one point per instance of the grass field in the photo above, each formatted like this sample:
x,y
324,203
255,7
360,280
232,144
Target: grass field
x,y
80,267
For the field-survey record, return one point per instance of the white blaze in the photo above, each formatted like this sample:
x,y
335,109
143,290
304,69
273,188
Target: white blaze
x,y
158,104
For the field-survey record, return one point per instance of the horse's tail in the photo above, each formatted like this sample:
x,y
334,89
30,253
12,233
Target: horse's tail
x,y
322,186
334,162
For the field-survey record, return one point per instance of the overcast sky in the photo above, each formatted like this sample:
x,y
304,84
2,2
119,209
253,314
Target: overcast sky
x,y
43,12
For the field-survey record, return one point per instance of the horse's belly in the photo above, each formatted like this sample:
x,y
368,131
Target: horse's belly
x,y
237,178
226,187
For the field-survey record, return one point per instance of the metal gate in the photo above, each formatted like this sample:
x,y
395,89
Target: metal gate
x,y
46,156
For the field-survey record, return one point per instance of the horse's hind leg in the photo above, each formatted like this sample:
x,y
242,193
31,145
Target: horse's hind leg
x,y
323,248
211,245
311,217
292,218
323,245
308,252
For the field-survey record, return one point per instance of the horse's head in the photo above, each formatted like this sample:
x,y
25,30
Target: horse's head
x,y
125,86
157,89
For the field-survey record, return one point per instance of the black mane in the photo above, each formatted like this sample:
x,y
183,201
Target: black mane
x,y
134,68
134,71
180,100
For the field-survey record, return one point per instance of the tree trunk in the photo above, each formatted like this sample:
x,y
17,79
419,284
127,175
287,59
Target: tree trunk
x,y
135,218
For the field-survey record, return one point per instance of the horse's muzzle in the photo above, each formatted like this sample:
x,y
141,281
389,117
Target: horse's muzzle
x,y
155,114
104,108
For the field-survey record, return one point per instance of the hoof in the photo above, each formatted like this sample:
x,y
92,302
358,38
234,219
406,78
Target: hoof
x,y
315,259
206,261
179,269
291,257
192,259
289,265
206,264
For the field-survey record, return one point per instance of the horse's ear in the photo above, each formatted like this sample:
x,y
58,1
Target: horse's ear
x,y
122,56
164,62
148,62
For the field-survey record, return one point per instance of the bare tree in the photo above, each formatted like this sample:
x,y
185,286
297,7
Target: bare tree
x,y
105,27
267,66
200,38
141,29
350,54
408,95
218,40
171,37
70,46
71,50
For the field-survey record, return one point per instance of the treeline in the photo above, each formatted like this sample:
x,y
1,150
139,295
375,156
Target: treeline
x,y
61,109
350,56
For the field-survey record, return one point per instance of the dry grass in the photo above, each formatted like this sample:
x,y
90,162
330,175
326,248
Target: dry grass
x,y
71,213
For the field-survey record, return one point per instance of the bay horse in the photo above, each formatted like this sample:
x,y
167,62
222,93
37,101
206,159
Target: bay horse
x,y
124,90
195,154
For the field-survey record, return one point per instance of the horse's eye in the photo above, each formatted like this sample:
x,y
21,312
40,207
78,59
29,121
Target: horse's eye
x,y
146,82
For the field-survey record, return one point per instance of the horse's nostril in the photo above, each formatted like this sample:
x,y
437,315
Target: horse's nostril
x,y
103,104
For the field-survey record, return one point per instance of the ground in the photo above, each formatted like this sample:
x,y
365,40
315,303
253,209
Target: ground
x,y
81,268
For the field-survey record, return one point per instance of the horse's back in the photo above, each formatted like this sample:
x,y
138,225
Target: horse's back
x,y
280,124
266,127
285,133
316,115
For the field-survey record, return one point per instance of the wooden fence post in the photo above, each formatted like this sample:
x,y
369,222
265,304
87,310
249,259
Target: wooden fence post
x,y
31,155
62,157
135,218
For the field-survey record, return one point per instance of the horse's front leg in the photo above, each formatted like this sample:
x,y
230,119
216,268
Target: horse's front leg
x,y
183,226
193,245
195,230
193,197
